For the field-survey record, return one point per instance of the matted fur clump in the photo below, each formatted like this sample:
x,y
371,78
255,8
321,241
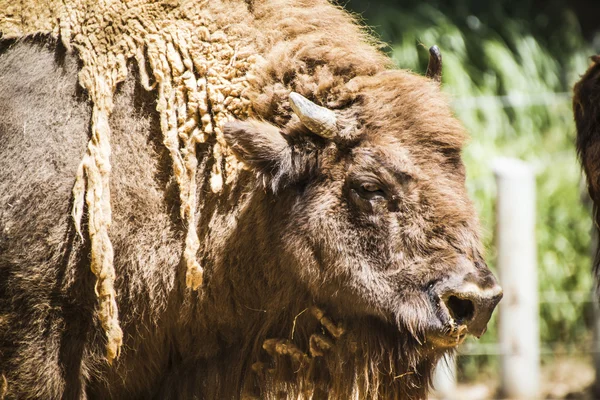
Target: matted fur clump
x,y
204,57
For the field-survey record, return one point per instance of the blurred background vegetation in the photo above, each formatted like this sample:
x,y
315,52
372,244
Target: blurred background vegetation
x,y
509,68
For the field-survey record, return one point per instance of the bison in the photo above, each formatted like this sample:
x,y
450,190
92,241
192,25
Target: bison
x,y
226,199
586,109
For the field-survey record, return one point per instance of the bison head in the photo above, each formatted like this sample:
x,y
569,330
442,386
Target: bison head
x,y
373,213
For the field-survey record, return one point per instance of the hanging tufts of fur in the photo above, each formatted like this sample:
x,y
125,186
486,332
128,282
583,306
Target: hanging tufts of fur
x,y
200,77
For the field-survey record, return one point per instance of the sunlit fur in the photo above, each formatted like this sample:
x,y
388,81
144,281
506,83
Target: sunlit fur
x,y
286,235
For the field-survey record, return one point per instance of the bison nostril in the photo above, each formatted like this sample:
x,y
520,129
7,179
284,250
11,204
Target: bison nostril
x,y
462,310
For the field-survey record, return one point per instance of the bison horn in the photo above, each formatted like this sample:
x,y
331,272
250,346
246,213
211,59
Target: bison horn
x,y
434,68
319,120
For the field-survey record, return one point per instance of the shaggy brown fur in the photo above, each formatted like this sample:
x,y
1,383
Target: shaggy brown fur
x,y
202,55
586,108
292,231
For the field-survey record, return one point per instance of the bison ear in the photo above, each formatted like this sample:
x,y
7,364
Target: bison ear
x,y
267,151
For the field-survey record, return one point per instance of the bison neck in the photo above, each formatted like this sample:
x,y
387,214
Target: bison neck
x,y
263,335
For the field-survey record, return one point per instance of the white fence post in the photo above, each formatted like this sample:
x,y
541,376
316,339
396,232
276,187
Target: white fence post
x,y
444,379
517,270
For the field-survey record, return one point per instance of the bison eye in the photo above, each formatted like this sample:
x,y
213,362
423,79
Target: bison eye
x,y
370,191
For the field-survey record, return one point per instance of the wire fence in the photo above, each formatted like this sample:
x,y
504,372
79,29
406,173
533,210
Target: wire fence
x,y
519,349
471,348
513,100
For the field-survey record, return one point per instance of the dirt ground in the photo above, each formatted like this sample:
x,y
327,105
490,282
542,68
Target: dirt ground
x,y
561,378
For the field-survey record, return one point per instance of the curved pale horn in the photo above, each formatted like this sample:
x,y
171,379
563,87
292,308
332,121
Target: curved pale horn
x,y
434,68
319,120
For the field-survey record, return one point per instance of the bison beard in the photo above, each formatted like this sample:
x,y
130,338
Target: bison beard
x,y
233,247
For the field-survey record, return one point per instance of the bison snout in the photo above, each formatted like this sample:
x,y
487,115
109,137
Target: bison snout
x,y
470,304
